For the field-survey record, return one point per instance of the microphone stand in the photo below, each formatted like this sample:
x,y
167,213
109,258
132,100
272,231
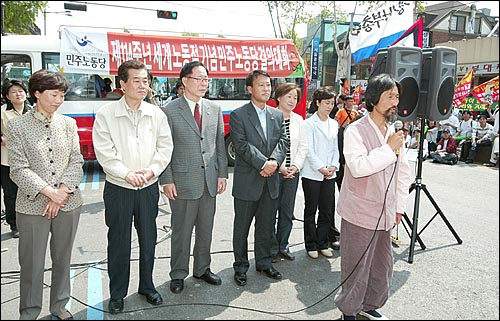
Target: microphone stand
x,y
417,186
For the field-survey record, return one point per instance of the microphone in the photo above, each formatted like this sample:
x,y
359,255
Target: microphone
x,y
398,125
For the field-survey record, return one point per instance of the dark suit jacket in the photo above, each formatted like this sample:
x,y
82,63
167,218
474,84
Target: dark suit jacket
x,y
197,156
252,151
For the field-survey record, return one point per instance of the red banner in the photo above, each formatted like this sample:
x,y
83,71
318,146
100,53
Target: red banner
x,y
223,57
95,52
487,92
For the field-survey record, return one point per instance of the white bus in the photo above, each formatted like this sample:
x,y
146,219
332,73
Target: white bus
x,y
23,55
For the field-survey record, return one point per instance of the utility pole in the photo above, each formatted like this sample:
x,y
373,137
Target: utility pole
x,y
347,53
44,21
3,19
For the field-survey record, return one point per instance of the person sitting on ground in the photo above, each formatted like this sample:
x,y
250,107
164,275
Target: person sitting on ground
x,y
451,123
494,136
463,136
431,134
446,152
488,113
415,143
480,137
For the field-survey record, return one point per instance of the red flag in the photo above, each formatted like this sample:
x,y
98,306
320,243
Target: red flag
x,y
357,94
462,89
487,92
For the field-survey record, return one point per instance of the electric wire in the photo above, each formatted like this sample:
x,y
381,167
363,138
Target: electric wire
x,y
88,265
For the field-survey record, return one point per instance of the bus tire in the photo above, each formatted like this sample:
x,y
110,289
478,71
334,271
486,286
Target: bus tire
x,y
230,152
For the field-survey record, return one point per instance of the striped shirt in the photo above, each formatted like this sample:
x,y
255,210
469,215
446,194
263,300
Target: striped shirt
x,y
288,159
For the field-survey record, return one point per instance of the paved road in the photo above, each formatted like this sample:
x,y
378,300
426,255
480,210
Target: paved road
x,y
445,281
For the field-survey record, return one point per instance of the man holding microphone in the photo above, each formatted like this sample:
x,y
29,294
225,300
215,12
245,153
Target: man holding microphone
x,y
371,202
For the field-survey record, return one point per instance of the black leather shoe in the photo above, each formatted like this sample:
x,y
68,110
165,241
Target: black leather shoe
x,y
287,256
240,278
115,306
210,278
335,245
153,298
177,285
271,272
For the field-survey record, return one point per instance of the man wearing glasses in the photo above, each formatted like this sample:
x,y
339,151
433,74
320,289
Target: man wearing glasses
x,y
197,173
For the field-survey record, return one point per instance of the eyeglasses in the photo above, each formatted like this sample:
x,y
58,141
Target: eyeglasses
x,y
199,79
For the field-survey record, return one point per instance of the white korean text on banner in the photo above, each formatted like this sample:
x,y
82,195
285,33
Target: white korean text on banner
x,y
102,53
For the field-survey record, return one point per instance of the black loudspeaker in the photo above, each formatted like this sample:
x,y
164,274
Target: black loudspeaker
x,y
439,68
379,64
405,65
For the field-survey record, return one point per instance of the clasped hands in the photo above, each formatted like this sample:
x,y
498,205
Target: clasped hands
x,y
58,198
139,178
269,168
328,172
289,172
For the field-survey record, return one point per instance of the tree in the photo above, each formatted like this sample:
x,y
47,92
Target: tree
x,y
289,14
19,16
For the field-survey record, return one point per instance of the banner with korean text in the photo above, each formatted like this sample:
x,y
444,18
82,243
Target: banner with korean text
x,y
462,89
472,104
487,92
83,51
381,27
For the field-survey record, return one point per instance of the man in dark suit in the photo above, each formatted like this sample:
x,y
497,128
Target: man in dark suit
x,y
197,173
261,144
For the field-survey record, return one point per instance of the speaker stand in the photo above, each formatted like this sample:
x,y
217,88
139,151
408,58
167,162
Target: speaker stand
x,y
417,186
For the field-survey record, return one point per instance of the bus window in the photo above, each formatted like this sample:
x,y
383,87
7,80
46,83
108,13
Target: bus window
x,y
16,67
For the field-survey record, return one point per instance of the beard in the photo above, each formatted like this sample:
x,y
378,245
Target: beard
x,y
390,117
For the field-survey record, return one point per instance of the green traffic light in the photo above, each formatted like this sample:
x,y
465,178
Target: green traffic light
x,y
166,14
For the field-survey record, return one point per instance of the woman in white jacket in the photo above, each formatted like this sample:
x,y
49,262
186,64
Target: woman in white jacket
x,y
287,95
319,172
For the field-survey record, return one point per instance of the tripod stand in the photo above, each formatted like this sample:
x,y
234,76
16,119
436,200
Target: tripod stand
x,y
417,186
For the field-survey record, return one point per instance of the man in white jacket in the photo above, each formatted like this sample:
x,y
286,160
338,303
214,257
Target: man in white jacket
x,y
371,202
133,144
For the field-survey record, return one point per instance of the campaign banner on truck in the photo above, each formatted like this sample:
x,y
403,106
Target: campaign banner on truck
x,y
83,51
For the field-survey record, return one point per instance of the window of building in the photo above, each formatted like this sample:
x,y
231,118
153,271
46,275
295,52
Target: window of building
x,y
477,25
457,23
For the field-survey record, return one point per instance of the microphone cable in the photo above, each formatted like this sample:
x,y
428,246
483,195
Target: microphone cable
x,y
374,232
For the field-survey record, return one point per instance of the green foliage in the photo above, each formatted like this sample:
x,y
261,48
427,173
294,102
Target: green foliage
x,y
20,16
286,15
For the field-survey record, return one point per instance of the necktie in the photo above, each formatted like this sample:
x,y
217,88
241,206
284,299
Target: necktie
x,y
197,116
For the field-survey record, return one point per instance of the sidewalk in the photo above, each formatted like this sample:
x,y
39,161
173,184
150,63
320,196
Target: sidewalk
x,y
446,281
